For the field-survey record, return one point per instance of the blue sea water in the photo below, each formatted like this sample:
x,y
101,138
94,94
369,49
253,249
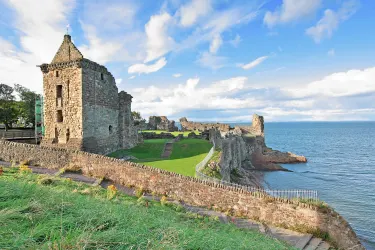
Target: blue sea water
x,y
341,166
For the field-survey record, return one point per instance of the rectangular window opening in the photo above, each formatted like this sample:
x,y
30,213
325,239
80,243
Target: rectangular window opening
x,y
101,76
57,73
60,116
59,91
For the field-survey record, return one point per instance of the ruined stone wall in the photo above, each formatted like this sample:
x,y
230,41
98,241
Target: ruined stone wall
x,y
192,126
128,133
288,214
67,132
161,123
100,110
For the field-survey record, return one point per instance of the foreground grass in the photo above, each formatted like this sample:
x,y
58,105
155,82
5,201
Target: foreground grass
x,y
175,133
69,215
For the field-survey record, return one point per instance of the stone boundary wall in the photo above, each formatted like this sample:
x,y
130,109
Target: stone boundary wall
x,y
191,190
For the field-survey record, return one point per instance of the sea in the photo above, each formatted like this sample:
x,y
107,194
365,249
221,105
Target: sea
x,y
341,167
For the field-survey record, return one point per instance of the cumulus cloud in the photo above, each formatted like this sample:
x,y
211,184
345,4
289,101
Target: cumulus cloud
x,y
141,68
41,29
158,41
177,75
192,11
216,96
331,20
254,63
131,77
350,83
291,10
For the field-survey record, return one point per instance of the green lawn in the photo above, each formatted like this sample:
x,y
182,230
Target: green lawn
x,y
186,154
69,215
176,133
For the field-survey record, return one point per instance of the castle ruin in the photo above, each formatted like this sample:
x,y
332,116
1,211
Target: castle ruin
x,y
82,107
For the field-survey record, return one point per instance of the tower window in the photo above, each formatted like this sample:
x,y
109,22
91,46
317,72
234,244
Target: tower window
x,y
57,73
101,76
59,91
110,129
67,135
59,117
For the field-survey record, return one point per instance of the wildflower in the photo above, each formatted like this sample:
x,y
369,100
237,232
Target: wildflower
x,y
24,169
111,192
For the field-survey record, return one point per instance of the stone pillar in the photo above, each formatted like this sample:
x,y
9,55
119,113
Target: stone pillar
x,y
258,125
125,119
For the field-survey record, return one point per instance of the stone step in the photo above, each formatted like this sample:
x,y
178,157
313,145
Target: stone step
x,y
313,244
303,241
323,246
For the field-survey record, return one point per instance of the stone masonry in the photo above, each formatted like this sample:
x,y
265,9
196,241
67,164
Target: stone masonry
x,y
82,107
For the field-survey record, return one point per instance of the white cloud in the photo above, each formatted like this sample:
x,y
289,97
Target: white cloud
x,y
131,78
158,41
192,11
254,63
291,10
147,69
210,61
350,83
177,75
98,50
215,44
331,52
236,41
118,80
168,101
331,20
40,29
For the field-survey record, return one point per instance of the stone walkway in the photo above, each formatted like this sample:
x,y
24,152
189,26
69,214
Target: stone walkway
x,y
168,147
298,240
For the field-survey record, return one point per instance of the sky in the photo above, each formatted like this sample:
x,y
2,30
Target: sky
x,y
208,60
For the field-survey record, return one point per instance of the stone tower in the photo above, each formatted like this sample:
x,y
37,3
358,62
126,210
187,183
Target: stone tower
x,y
82,106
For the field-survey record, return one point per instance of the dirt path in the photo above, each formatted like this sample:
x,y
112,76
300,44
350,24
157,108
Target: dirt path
x,y
298,240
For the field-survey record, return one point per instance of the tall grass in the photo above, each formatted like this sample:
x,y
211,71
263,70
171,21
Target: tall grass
x,y
69,215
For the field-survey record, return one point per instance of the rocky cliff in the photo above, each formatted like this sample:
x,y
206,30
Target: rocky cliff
x,y
244,149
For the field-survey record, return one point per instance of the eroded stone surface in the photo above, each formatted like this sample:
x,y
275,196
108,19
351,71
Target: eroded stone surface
x,y
82,107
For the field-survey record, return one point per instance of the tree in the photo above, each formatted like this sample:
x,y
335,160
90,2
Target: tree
x,y
28,99
137,118
9,108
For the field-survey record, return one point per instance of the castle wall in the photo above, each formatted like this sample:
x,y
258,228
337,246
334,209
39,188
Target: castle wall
x,y
63,97
128,136
100,110
284,213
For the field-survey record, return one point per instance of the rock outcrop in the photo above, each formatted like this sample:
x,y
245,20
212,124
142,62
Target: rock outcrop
x,y
244,149
161,123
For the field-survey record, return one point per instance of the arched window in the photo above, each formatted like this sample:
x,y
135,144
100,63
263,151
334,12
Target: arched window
x,y
110,129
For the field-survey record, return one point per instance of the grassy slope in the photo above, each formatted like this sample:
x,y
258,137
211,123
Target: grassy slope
x,y
69,215
176,133
186,154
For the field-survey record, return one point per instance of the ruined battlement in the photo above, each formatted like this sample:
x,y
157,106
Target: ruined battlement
x,y
82,107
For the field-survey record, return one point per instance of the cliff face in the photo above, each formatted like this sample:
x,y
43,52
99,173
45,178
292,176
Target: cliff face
x,y
244,149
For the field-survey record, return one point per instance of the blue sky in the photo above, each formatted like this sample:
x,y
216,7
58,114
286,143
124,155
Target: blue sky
x,y
209,60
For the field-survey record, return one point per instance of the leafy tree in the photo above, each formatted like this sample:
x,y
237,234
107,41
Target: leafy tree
x,y
137,118
9,108
28,98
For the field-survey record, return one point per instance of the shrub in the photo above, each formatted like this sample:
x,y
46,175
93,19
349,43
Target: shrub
x,y
164,200
24,169
25,162
111,192
1,170
139,192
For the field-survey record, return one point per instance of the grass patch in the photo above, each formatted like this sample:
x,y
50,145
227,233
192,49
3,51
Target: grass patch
x,y
212,168
150,149
70,215
186,154
175,133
